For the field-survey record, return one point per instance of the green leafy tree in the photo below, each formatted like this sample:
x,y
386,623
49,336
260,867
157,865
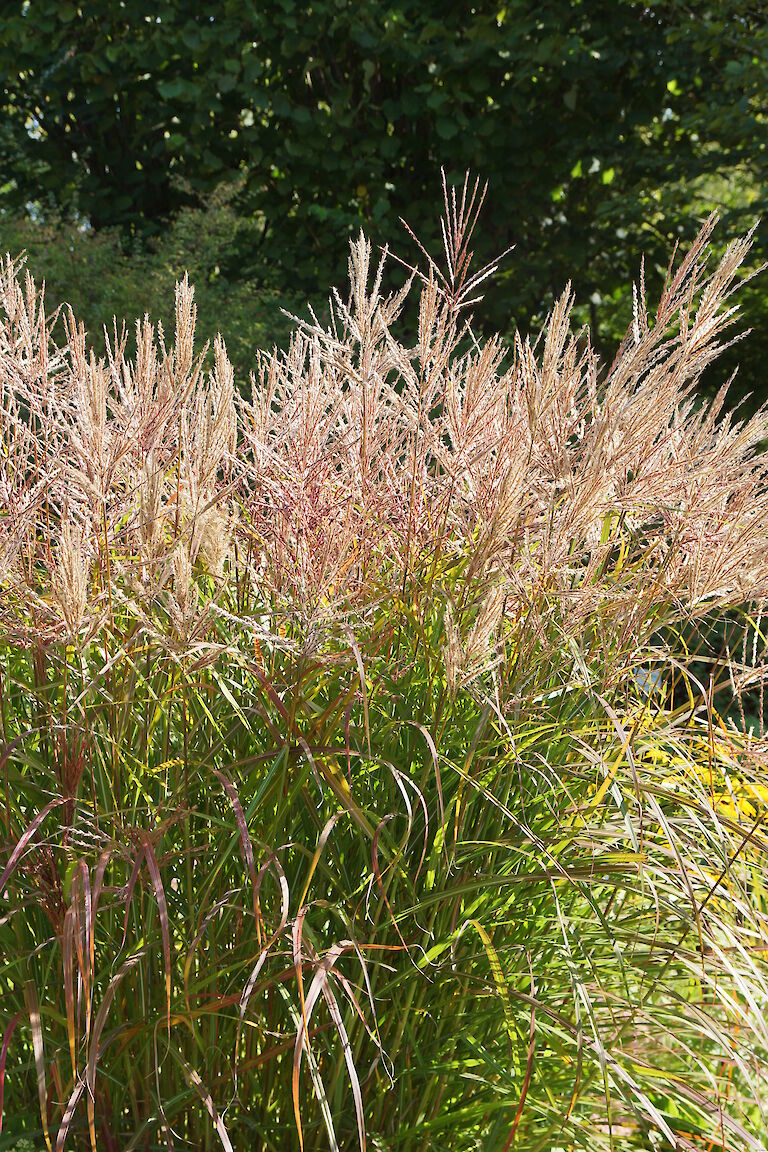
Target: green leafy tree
x,y
604,128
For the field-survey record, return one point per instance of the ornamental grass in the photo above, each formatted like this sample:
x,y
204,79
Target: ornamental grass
x,y
359,788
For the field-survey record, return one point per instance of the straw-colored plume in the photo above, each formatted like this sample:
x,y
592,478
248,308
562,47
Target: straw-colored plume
x,y
71,578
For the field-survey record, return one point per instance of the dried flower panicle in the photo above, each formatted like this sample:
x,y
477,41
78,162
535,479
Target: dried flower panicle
x,y
361,461
71,578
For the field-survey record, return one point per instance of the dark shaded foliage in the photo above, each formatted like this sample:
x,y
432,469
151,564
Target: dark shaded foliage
x,y
604,128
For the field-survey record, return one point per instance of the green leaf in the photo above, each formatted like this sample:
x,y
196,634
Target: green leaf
x,y
446,128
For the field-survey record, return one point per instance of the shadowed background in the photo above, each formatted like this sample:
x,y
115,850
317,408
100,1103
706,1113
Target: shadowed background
x,y
246,142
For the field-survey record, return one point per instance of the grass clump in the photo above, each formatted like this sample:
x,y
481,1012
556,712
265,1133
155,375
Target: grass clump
x,y
356,790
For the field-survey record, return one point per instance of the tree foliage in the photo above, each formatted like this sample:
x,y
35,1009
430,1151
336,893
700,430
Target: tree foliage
x,y
604,128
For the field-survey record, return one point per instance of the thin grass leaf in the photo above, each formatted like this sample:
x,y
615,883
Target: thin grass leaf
x,y
7,1037
33,1009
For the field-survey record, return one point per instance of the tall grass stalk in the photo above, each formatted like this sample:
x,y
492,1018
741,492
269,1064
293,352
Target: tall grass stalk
x,y
357,788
